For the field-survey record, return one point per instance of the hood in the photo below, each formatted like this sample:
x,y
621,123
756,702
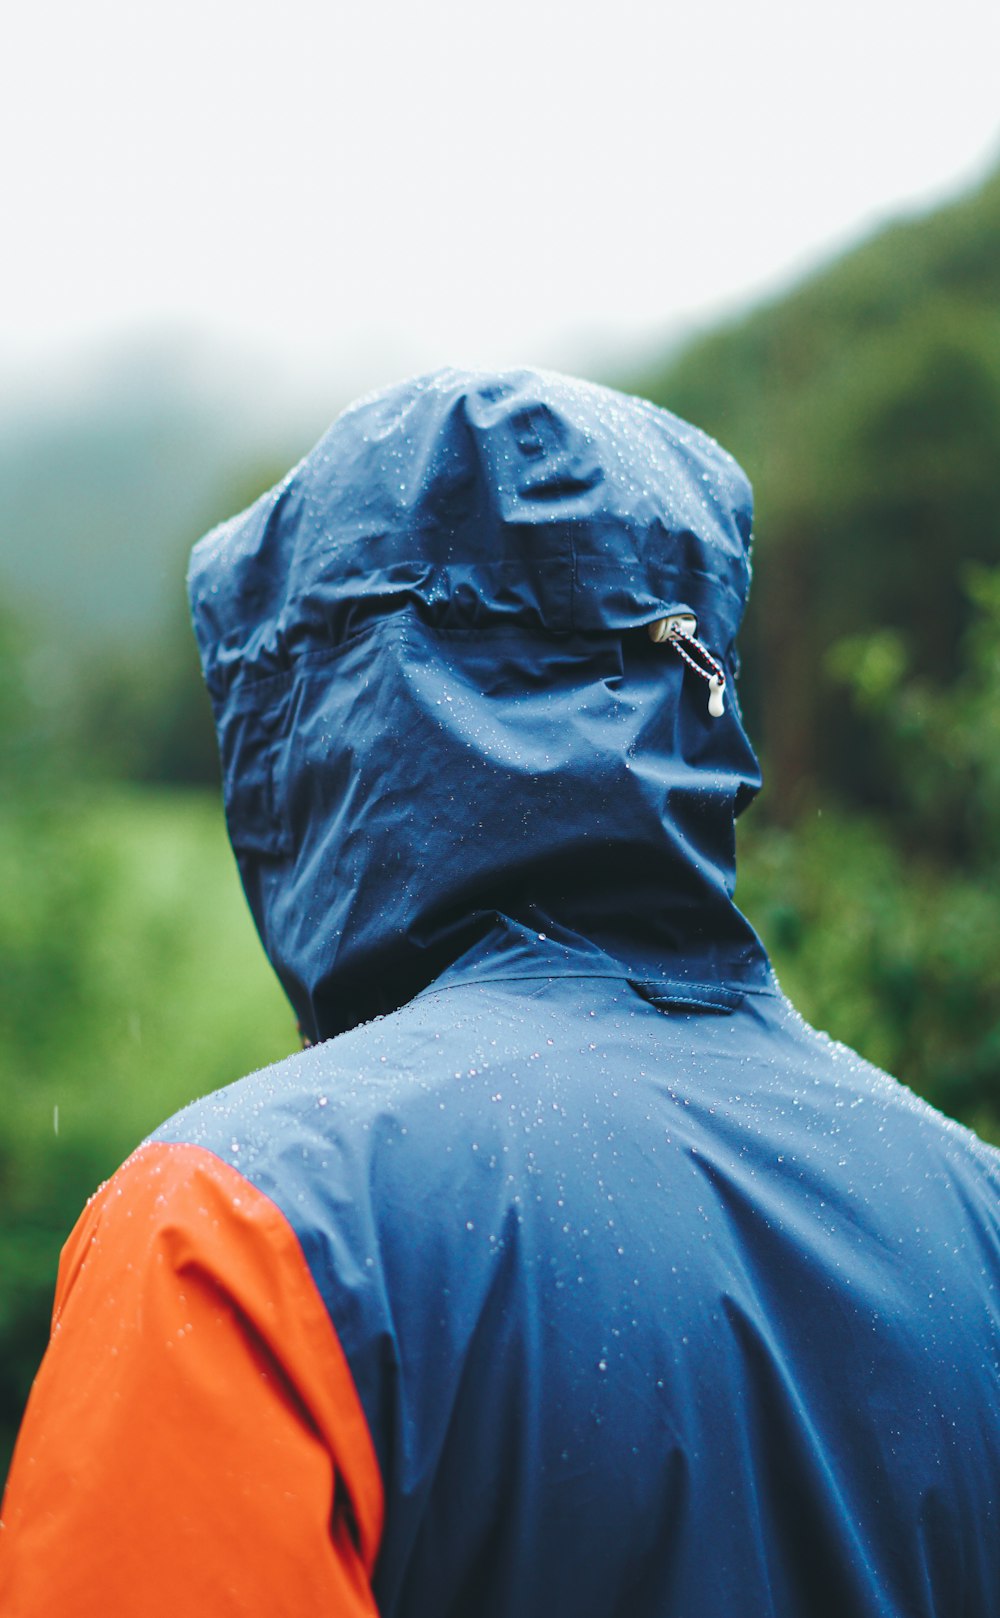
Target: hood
x,y
441,716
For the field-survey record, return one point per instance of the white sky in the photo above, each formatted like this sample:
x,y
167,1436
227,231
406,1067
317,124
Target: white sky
x,y
378,187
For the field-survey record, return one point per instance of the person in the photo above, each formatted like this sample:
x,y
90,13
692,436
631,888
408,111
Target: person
x,y
568,1271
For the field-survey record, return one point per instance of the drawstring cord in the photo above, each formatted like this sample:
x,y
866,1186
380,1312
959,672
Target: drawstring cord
x,y
678,631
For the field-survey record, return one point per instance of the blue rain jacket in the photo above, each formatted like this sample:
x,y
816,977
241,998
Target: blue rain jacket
x,y
655,1301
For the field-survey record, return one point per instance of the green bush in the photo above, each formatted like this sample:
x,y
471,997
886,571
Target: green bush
x,y
130,982
886,930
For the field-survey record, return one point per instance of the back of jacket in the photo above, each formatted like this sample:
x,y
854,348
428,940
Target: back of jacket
x,y
653,1311
569,1273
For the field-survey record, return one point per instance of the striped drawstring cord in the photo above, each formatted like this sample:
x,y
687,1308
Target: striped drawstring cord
x,y
678,631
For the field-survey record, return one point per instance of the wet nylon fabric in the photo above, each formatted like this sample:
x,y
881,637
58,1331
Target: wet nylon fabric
x,y
193,1443
676,1315
437,699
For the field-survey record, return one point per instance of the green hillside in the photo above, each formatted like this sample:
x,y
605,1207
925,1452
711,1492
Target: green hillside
x,y
865,406
107,479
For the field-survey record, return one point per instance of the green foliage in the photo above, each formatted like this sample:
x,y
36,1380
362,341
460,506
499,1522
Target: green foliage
x,y
26,730
866,408
130,982
895,958
943,740
889,935
140,712
143,714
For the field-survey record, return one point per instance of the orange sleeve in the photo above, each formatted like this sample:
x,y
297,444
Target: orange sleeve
x,y
194,1442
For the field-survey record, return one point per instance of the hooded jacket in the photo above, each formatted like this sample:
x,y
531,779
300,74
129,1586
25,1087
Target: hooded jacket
x,y
570,1271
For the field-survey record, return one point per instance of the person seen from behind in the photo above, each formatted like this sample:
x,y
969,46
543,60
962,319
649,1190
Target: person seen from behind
x,y
569,1272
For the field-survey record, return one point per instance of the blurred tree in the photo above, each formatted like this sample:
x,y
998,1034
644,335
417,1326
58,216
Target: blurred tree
x,y
889,934
138,709
130,981
866,408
